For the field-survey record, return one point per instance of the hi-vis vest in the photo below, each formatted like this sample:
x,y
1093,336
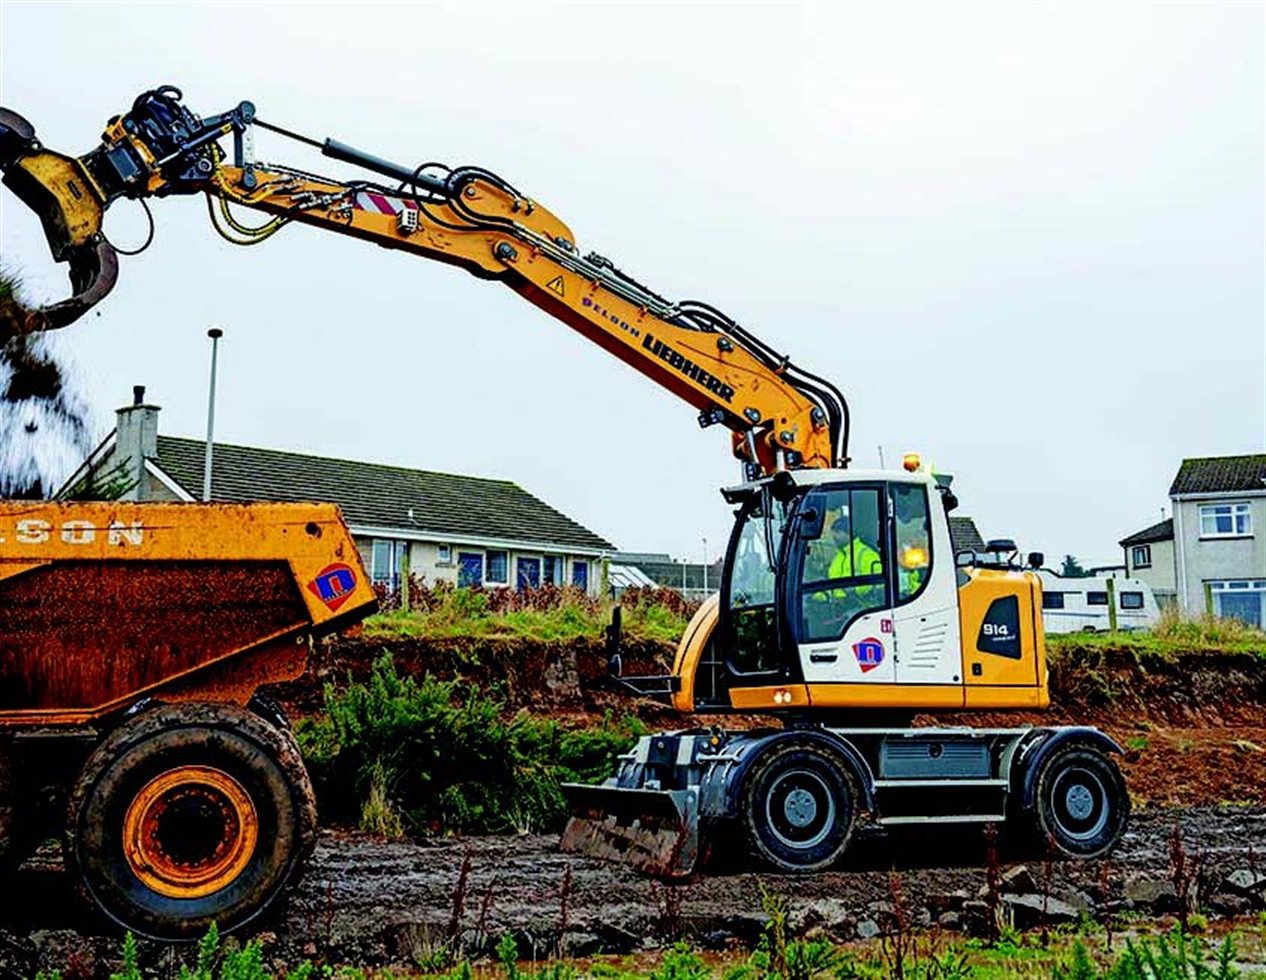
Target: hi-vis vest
x,y
868,562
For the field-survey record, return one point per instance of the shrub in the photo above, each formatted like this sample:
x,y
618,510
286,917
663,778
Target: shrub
x,y
430,756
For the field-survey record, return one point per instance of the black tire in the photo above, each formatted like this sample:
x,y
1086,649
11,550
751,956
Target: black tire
x,y
799,806
190,814
1081,802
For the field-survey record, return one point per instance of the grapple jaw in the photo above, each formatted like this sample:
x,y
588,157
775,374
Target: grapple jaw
x,y
652,831
70,207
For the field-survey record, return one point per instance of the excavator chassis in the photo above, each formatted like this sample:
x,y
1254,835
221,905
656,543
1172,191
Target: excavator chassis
x,y
797,794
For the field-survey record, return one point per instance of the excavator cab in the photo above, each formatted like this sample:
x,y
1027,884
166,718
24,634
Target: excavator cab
x,y
841,596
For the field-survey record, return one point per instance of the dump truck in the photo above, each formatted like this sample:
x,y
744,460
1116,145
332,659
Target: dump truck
x,y
134,638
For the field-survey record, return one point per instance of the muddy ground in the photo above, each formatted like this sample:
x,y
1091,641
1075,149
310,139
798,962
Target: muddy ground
x,y
377,903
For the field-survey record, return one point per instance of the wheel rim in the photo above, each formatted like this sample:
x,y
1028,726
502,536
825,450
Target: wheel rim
x,y
800,809
190,832
1079,803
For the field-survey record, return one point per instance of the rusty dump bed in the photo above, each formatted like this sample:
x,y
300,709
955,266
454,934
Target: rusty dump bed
x,y
105,603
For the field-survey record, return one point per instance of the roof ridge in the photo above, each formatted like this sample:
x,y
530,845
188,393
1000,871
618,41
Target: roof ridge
x,y
1209,459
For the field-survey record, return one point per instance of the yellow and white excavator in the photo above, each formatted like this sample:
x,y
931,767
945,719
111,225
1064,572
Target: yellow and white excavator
x,y
842,610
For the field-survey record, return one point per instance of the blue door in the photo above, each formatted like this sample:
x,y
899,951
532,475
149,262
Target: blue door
x,y
470,569
529,576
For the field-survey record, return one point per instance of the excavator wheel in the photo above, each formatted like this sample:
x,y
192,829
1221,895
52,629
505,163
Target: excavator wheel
x,y
190,814
1081,802
799,806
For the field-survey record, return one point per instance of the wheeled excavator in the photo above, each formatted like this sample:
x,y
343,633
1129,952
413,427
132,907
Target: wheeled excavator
x,y
842,611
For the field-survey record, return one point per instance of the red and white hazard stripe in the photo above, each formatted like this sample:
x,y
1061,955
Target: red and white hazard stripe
x,y
381,203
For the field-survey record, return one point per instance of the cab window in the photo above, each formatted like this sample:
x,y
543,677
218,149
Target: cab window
x,y
752,589
842,562
913,539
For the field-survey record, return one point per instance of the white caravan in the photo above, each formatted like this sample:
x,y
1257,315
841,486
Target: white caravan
x,y
1072,604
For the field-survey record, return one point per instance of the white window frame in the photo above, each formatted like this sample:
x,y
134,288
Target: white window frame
x,y
391,577
488,579
540,568
1235,586
443,554
1141,556
1241,515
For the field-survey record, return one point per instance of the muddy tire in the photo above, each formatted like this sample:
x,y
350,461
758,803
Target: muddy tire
x,y
189,814
1081,803
799,806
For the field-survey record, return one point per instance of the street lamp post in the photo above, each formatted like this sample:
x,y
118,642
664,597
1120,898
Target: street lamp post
x,y
215,333
705,566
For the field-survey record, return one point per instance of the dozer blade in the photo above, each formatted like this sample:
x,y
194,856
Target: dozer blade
x,y
653,831
70,207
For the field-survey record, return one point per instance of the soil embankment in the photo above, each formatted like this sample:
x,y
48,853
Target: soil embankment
x,y
1193,724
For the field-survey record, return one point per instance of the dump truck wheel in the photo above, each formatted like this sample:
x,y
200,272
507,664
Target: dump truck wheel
x,y
799,807
1081,803
190,814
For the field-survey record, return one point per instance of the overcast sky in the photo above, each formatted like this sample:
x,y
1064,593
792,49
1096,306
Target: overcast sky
x,y
1024,239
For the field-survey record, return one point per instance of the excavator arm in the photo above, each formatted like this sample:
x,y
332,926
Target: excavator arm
x,y
781,417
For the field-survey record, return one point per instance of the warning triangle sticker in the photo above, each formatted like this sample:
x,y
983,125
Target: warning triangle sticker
x,y
556,285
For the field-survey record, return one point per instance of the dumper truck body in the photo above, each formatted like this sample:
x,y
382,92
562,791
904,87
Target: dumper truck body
x,y
133,640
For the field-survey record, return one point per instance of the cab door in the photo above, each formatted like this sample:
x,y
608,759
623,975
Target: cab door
x,y
751,660
838,598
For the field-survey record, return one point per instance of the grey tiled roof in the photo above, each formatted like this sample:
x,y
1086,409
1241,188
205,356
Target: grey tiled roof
x,y
1220,474
1163,531
964,536
377,496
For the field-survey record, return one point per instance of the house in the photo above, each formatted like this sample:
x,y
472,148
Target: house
x,y
694,580
1149,556
1219,534
964,536
462,529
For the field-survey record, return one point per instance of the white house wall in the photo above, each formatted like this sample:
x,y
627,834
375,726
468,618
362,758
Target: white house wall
x,y
1216,559
424,559
1161,575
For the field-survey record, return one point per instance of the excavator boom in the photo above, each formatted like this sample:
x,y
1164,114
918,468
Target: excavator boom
x,y
781,417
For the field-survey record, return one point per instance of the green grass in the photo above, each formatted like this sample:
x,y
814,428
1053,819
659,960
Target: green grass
x,y
443,612
1172,636
922,956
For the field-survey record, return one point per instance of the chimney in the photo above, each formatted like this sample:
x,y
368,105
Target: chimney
x,y
137,430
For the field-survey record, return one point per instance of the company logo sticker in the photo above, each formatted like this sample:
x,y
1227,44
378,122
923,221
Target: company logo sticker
x,y
885,626
334,584
869,653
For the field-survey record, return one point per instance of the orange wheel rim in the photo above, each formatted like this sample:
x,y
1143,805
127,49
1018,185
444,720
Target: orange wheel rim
x,y
190,832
